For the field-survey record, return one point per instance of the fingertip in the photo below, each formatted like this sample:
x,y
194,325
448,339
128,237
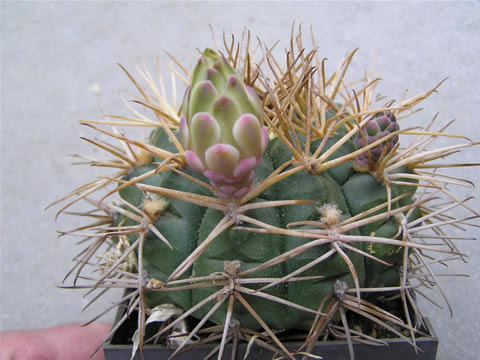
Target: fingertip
x,y
78,342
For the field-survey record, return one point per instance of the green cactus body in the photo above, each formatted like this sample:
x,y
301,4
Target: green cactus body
x,y
187,225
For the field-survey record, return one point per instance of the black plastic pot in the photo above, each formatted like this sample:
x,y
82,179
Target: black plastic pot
x,y
397,349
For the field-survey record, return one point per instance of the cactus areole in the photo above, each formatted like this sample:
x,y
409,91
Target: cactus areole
x,y
266,203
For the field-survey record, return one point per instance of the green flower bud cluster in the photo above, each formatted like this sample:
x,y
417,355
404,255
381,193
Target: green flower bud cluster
x,y
221,126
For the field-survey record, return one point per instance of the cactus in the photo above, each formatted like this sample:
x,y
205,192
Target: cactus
x,y
268,204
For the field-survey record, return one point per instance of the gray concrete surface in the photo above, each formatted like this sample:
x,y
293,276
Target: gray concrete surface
x,y
59,66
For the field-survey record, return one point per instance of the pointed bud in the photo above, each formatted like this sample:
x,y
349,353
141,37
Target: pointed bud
x,y
183,131
204,132
222,158
194,161
237,91
202,97
248,135
226,111
245,167
256,102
